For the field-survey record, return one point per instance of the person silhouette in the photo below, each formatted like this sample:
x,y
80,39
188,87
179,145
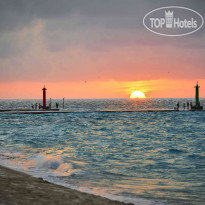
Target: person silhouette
x,y
57,104
184,106
178,106
187,105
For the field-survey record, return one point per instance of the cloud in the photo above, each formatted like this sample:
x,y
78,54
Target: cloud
x,y
74,40
16,14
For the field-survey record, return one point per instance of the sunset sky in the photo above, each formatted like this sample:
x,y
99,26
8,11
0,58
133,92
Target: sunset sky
x,y
95,49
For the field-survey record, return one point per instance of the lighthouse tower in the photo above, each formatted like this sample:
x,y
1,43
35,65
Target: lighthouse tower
x,y
197,94
197,106
44,97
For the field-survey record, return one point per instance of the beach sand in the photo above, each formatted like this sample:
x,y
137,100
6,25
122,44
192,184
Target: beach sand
x,y
19,188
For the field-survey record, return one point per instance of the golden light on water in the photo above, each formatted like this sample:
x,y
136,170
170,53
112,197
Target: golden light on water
x,y
137,94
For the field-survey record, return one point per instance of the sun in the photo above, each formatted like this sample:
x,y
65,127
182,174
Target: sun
x,y
137,94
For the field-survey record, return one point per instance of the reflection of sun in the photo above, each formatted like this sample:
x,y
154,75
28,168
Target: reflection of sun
x,y
137,94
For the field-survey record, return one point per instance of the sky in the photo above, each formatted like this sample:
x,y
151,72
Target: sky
x,y
95,49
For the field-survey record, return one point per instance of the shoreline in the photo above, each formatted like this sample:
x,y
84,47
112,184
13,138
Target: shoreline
x,y
20,188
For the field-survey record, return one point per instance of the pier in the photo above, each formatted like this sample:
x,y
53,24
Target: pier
x,y
44,109
103,111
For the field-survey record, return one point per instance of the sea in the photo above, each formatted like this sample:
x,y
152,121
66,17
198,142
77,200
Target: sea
x,y
114,148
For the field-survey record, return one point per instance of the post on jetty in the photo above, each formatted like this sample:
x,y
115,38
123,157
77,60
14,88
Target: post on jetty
x,y
197,105
44,97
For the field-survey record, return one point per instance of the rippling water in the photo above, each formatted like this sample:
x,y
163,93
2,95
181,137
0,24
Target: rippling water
x,y
139,157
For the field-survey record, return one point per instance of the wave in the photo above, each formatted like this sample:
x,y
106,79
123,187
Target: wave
x,y
54,170
45,165
196,157
176,151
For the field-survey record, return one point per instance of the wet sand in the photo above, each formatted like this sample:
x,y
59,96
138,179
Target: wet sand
x,y
20,188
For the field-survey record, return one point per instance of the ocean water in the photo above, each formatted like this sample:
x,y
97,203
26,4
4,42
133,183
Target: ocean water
x,y
146,158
